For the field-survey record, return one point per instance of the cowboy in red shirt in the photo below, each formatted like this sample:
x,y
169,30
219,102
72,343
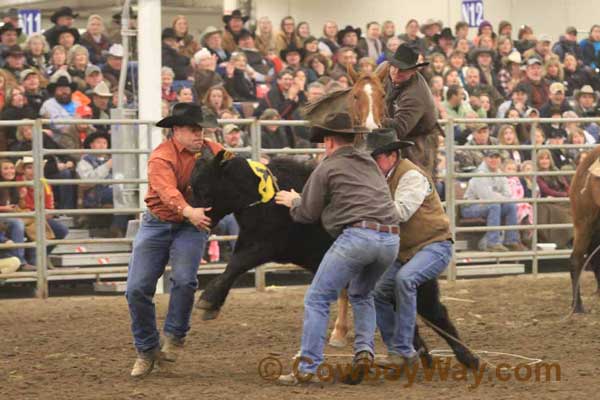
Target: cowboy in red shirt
x,y
170,229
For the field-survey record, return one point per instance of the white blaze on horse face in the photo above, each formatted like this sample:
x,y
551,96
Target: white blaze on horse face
x,y
370,121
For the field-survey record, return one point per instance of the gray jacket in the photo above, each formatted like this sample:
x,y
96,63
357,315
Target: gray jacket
x,y
488,188
346,187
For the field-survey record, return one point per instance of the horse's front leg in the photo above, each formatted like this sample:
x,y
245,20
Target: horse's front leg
x,y
340,329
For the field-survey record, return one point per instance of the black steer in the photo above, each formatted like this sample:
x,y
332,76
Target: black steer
x,y
268,234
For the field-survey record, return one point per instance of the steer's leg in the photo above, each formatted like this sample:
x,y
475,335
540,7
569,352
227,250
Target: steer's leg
x,y
421,347
213,297
430,308
340,330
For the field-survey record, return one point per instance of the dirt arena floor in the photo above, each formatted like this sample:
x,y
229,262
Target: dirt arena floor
x,y
80,347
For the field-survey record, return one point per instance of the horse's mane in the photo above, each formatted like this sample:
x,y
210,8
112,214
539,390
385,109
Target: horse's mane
x,y
291,173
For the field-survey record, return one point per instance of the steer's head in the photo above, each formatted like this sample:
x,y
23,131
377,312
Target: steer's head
x,y
226,183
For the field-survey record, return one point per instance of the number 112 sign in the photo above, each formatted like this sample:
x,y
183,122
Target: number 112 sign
x,y
472,11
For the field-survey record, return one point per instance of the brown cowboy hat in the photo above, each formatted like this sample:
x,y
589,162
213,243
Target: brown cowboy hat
x,y
384,140
334,124
234,14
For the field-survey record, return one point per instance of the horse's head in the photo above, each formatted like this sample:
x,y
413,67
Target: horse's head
x,y
226,183
367,99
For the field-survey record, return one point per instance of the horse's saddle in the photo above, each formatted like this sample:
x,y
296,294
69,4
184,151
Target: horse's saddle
x,y
595,168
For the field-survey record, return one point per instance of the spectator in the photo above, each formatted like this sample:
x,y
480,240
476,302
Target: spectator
x,y
274,136
171,57
60,231
37,52
571,127
188,46
590,48
504,48
470,159
58,60
239,79
473,85
9,203
78,59
259,64
316,65
16,109
367,65
388,31
311,45
67,37
576,136
524,210
436,66
212,39
519,100
15,63
95,39
371,45
576,77
391,46
536,86
185,95
93,77
8,262
234,23
284,96
100,105
526,40
541,50
527,181
556,101
560,157
61,104
314,92
112,69
34,94
287,35
11,16
429,28
567,44
507,136
553,71
233,138
444,42
505,29
205,76
63,17
585,102
99,166
167,76
328,45
509,74
265,40
454,105
493,188
114,30
346,58
217,101
348,37
52,163
9,34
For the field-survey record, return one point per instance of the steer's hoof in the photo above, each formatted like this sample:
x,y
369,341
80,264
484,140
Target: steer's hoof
x,y
338,341
208,315
204,305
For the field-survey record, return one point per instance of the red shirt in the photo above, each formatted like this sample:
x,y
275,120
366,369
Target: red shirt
x,y
169,170
29,201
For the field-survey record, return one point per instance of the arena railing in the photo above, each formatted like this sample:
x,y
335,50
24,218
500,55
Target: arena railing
x,y
40,213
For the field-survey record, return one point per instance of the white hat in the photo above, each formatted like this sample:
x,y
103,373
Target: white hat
x,y
202,54
102,90
230,128
116,50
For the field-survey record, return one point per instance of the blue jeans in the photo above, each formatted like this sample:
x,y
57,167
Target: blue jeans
x,y
16,233
60,232
494,214
154,244
228,226
357,257
396,295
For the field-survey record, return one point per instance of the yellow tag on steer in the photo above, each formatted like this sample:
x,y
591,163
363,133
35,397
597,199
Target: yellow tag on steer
x,y
266,185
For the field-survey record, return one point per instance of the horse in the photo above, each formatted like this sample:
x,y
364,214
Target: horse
x,y
232,184
585,205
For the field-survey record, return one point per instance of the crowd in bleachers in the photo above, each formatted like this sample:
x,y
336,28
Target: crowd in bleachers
x,y
269,69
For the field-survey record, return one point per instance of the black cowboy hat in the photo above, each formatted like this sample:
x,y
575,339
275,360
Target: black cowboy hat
x,y
93,136
10,27
188,114
406,57
347,29
384,140
63,12
234,14
446,33
62,81
13,50
334,124
64,29
291,49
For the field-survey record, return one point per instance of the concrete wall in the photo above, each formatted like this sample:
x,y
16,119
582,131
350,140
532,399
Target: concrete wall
x,y
546,16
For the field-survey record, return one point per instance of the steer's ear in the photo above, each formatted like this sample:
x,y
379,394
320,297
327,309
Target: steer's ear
x,y
223,156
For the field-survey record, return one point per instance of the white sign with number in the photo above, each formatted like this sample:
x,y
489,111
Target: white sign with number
x,y
30,21
472,12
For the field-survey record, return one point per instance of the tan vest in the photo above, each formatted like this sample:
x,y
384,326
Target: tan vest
x,y
428,224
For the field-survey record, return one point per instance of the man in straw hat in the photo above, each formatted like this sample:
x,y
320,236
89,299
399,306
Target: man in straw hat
x,y
349,195
425,245
170,228
410,107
